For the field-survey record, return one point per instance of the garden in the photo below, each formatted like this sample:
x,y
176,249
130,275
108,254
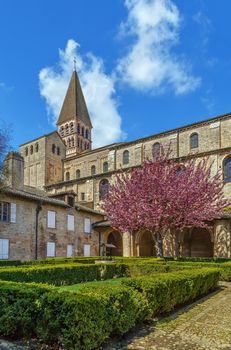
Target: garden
x,y
78,303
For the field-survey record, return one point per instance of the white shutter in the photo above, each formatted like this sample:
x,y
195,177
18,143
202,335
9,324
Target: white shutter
x,y
70,222
87,250
51,219
4,248
50,249
87,225
12,212
70,250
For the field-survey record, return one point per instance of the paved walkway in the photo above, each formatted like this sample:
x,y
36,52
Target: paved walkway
x,y
205,325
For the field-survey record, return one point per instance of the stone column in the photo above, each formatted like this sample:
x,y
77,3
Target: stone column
x,y
126,244
222,234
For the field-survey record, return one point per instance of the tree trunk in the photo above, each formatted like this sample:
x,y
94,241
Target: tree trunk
x,y
159,246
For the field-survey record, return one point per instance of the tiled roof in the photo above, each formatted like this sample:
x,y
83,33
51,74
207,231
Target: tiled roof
x,y
34,194
74,104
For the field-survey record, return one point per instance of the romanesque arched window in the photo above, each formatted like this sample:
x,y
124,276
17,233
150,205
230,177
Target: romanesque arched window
x,y
67,176
105,167
125,157
31,149
82,133
194,140
156,149
58,151
87,134
78,174
36,147
53,148
103,188
26,151
93,170
61,130
66,129
227,169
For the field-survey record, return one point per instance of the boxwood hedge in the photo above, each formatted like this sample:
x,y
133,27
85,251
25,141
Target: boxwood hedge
x,y
85,319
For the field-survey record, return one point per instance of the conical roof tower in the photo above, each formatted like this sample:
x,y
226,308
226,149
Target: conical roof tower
x,y
74,123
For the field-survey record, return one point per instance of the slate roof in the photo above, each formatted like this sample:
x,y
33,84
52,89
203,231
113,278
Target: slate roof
x,y
74,104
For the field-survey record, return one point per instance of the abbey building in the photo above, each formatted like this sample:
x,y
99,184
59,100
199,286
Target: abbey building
x,y
63,167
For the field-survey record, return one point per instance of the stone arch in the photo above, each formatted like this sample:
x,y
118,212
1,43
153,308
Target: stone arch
x,y
103,188
145,244
115,238
198,243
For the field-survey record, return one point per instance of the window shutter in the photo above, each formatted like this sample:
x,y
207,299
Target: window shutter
x,y
87,250
70,222
12,212
4,248
50,249
70,250
51,219
87,225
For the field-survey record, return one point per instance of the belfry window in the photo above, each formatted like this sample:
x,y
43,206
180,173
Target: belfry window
x,y
67,176
227,169
31,149
156,149
194,141
61,130
26,151
67,129
36,147
72,127
125,157
105,167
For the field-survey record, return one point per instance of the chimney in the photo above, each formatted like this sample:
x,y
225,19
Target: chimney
x,y
14,170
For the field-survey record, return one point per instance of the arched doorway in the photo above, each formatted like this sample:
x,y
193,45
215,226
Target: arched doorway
x,y
198,243
146,244
115,239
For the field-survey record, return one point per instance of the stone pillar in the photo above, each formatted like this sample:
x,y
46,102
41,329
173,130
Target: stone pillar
x,y
222,236
126,244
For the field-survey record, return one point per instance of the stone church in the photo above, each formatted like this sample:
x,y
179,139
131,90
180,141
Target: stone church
x,y
64,165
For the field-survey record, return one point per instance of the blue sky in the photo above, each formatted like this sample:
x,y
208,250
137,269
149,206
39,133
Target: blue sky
x,y
145,65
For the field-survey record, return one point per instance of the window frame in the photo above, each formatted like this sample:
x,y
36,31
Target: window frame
x,y
70,222
87,226
52,212
194,144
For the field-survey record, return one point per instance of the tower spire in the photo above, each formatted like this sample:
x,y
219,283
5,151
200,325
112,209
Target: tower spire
x,y
74,64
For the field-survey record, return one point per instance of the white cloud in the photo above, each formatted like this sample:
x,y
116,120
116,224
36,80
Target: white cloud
x,y
150,65
98,89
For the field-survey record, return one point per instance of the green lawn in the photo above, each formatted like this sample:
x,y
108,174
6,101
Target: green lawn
x,y
75,288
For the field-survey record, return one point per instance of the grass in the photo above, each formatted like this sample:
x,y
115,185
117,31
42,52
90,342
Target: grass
x,y
76,288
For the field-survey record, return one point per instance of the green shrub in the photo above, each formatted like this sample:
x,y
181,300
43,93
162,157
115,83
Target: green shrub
x,y
83,320
164,291
61,274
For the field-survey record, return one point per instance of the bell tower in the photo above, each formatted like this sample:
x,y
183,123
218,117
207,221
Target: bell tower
x,y
74,124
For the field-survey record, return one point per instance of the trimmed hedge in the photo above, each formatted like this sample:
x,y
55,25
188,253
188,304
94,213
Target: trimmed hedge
x,y
164,291
83,320
62,274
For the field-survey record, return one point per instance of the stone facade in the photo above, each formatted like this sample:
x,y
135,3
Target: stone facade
x,y
83,173
26,228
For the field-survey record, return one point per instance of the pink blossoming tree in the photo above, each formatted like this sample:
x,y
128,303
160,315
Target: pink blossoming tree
x,y
165,195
